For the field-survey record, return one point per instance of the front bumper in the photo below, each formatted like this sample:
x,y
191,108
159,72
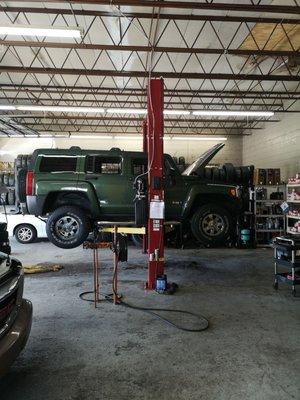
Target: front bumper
x,y
13,342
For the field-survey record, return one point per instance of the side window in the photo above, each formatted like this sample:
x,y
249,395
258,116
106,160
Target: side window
x,y
58,164
138,166
103,165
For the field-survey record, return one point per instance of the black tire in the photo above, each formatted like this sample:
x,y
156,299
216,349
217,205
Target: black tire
x,y
181,160
238,175
212,225
230,172
29,161
18,161
24,161
11,180
216,174
25,233
11,198
21,185
246,175
6,179
137,240
208,174
68,227
222,175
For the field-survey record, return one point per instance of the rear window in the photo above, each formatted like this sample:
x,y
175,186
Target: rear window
x,y
58,164
103,165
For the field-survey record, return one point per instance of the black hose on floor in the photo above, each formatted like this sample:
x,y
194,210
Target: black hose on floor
x,y
153,312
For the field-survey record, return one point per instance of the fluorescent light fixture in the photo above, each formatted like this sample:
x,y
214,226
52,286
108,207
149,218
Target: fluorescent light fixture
x,y
60,109
40,31
7,107
202,138
129,137
177,112
219,113
61,135
126,110
91,137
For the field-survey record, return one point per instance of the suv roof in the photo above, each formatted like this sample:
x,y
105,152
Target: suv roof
x,y
78,151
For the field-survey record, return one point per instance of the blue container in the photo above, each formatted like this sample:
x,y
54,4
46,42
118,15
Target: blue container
x,y
161,283
245,235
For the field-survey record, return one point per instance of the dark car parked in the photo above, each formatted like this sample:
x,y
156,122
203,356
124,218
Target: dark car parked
x,y
15,312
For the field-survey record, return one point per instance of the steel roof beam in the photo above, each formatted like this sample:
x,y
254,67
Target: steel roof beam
x,y
141,103
241,95
188,5
138,127
159,49
124,118
145,74
138,91
188,17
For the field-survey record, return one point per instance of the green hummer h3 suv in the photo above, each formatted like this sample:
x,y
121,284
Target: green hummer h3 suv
x,y
74,188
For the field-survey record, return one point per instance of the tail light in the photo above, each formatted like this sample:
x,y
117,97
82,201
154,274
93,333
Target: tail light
x,y
233,192
29,183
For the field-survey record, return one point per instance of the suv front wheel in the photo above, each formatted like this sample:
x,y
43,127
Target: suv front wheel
x,y
212,225
67,227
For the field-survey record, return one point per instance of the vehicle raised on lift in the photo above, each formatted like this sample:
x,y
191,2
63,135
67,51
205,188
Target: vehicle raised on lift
x,y
73,188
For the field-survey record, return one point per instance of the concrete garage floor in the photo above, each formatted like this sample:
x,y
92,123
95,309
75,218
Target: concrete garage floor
x,y
251,350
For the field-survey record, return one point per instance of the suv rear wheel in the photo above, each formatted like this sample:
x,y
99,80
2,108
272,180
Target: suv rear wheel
x,y
25,233
212,225
67,227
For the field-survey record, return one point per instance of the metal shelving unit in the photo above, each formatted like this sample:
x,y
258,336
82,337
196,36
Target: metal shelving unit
x,y
268,224
295,205
287,257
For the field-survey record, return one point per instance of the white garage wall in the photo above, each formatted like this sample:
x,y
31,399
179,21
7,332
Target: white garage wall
x,y
276,146
10,148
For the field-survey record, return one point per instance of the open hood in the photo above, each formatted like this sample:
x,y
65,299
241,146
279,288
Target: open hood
x,y
203,160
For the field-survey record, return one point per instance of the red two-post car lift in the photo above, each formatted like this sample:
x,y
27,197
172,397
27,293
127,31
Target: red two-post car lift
x,y
153,133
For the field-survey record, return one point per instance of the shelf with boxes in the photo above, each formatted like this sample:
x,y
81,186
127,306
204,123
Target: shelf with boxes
x,y
268,215
293,200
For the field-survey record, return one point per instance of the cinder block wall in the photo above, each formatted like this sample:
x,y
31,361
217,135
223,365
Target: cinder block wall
x,y
232,152
276,146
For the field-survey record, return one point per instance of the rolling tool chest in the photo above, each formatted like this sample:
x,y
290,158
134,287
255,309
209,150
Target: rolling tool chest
x,y
287,255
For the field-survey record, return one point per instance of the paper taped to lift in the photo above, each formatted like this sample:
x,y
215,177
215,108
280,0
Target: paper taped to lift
x,y
157,209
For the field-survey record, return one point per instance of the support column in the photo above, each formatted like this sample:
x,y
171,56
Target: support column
x,y
155,128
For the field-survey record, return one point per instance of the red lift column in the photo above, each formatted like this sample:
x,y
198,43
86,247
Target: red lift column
x,y
155,128
145,139
144,130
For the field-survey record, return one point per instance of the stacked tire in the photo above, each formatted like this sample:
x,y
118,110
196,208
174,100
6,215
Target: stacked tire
x,y
8,180
22,164
229,174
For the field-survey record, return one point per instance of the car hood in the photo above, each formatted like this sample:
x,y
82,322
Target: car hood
x,y
203,160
